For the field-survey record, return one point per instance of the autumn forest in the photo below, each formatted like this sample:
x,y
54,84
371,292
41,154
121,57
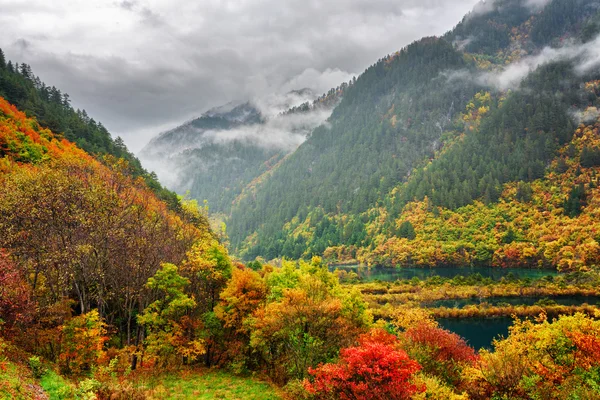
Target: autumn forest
x,y
435,233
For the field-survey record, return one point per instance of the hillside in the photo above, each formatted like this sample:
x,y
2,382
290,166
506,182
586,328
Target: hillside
x,y
452,119
81,241
549,222
52,109
214,157
105,289
86,224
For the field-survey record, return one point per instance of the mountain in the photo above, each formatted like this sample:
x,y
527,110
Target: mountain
x,y
214,157
451,120
52,109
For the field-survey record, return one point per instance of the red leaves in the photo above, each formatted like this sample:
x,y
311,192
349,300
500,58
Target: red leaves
x,y
14,293
588,349
440,352
376,369
447,346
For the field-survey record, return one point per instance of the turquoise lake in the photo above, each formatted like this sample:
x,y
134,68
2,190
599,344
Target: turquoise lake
x,y
478,332
390,274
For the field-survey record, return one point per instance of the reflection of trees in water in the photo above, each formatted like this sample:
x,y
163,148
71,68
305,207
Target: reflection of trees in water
x,y
476,274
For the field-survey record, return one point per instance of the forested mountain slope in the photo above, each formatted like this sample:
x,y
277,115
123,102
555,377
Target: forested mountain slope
x,y
388,121
79,232
451,119
214,157
552,221
52,110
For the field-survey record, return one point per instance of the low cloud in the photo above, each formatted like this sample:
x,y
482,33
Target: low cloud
x,y
461,44
320,81
586,57
537,4
285,132
140,65
488,6
587,116
168,155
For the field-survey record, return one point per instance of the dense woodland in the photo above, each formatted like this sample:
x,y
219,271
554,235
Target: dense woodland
x,y
454,143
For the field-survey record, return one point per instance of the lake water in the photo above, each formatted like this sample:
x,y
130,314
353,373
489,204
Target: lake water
x,y
514,301
388,274
478,332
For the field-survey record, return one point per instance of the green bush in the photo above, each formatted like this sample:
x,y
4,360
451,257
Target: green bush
x,y
36,366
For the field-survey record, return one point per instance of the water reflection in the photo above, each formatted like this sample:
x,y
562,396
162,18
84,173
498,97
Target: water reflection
x,y
388,274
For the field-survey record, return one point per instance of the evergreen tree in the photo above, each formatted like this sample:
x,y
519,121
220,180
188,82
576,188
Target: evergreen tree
x,y
406,230
590,157
576,201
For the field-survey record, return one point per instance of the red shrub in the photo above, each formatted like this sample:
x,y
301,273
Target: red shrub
x,y
448,345
376,369
440,352
15,300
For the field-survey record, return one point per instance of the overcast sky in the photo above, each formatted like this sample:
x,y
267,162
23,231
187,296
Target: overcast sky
x,y
142,66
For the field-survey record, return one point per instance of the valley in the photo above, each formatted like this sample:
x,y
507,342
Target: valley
x,y
426,229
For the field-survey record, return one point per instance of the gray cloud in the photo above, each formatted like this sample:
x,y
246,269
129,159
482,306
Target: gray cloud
x,y
589,115
127,5
284,132
487,6
537,4
141,66
587,56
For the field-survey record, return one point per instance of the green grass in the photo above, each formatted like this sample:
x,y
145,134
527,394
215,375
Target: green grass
x,y
209,385
16,381
57,387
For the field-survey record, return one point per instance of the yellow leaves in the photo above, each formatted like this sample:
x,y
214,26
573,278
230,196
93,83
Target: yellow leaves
x,y
304,320
82,343
404,317
592,86
544,236
544,350
483,98
243,294
209,259
436,390
192,350
476,109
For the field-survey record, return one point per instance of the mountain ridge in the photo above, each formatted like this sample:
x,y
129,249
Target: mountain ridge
x,y
299,220
213,157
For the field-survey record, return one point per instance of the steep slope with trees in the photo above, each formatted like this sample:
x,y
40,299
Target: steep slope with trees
x,y
389,121
52,109
214,157
449,119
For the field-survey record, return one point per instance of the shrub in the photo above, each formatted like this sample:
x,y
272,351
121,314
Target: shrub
x,y
37,369
82,343
376,369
